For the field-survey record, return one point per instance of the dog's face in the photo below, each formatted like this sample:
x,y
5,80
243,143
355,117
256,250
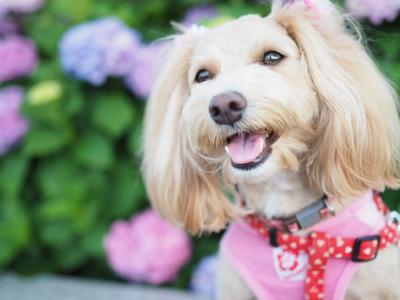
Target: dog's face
x,y
251,101
256,97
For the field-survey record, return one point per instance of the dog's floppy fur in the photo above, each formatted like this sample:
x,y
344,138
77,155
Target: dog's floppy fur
x,y
334,113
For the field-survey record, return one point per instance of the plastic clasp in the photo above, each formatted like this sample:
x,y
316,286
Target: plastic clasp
x,y
394,218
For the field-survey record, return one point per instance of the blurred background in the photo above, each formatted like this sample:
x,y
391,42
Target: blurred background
x,y
74,77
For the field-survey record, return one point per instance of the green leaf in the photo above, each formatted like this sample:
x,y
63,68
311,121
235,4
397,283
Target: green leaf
x,y
93,243
56,235
135,140
388,45
46,30
49,113
70,258
61,208
94,151
44,141
58,177
67,210
76,10
113,115
8,251
47,70
238,9
97,182
392,198
87,216
14,230
127,191
73,101
13,170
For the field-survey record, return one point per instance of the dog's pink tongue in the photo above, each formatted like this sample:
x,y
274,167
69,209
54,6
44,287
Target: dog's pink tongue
x,y
246,148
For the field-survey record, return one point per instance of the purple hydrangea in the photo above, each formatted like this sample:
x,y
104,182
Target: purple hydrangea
x,y
20,6
95,50
13,125
204,277
144,71
18,57
199,13
7,26
377,11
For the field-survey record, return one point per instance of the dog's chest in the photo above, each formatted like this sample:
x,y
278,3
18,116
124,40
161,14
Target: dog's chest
x,y
273,273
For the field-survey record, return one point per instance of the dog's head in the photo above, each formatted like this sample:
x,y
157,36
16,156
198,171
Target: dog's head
x,y
259,96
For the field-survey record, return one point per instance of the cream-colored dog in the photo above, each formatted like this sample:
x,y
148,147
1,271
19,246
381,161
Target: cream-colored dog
x,y
317,115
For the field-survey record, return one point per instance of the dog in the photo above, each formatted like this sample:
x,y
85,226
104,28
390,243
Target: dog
x,y
280,112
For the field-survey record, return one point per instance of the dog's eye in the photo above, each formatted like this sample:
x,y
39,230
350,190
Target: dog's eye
x,y
203,75
272,58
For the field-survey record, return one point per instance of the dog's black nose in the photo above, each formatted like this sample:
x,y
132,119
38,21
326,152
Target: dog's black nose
x,y
227,108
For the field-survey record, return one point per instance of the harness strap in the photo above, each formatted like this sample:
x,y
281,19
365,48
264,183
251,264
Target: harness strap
x,y
321,246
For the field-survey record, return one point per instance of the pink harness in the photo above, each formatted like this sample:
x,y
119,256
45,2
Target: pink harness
x,y
279,273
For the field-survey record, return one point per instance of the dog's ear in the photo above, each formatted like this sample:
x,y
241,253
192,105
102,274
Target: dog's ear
x,y
178,185
357,139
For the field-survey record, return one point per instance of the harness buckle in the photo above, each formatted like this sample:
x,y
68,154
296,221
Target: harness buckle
x,y
364,252
394,218
273,237
313,214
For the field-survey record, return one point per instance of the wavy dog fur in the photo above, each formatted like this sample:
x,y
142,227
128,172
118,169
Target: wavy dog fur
x,y
356,136
357,144
334,112
180,190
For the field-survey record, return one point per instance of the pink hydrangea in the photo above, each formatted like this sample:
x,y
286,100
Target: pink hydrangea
x,y
18,57
377,11
147,249
13,125
148,62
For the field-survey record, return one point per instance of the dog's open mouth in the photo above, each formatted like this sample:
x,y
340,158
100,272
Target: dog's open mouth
x,y
249,150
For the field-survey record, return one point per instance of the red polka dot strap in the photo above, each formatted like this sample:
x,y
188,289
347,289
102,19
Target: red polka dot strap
x,y
321,246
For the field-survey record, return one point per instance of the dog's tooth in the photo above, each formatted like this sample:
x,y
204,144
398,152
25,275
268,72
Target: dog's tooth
x,y
262,145
267,134
227,150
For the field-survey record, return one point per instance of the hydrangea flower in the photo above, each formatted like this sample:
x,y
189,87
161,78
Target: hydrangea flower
x,y
13,125
7,26
144,71
204,277
147,249
197,14
98,49
377,11
20,6
18,57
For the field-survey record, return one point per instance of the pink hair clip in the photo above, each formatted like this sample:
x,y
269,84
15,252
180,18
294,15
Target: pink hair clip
x,y
317,8
309,4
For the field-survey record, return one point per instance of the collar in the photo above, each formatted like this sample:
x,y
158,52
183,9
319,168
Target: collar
x,y
305,218
320,246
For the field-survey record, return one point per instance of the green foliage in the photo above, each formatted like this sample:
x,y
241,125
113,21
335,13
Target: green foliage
x,y
77,170
43,141
94,151
112,115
